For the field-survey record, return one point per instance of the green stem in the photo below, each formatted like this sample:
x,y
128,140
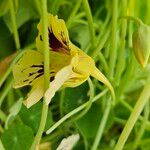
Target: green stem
x,y
61,102
113,45
102,125
135,19
148,12
1,129
1,145
7,88
73,13
144,96
101,44
14,24
73,112
128,76
128,107
103,61
38,7
121,61
6,74
46,73
90,21
10,97
3,117
142,129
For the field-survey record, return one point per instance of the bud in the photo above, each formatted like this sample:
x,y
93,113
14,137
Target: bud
x,y
141,44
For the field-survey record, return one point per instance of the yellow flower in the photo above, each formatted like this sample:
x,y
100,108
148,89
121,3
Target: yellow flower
x,y
69,66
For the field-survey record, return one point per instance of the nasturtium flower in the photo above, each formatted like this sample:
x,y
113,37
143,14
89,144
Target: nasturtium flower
x,y
69,66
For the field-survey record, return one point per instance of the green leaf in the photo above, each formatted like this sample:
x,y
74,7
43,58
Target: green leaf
x,y
25,13
4,7
32,116
6,40
77,33
74,97
18,137
89,123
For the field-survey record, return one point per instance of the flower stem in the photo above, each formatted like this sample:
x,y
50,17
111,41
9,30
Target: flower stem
x,y
133,117
1,146
142,128
46,73
121,61
73,13
61,102
73,112
102,125
7,88
2,116
90,21
101,44
135,19
14,24
113,49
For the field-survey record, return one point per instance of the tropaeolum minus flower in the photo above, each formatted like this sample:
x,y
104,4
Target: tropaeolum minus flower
x,y
69,66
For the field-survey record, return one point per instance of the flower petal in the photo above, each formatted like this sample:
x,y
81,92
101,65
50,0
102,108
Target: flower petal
x,y
69,142
28,69
58,35
75,80
61,76
58,61
35,94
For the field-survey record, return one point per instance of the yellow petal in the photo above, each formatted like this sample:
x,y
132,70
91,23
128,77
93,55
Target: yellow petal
x,y
75,80
58,61
58,35
35,94
28,69
61,76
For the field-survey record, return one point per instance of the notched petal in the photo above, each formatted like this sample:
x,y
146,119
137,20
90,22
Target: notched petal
x,y
35,94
